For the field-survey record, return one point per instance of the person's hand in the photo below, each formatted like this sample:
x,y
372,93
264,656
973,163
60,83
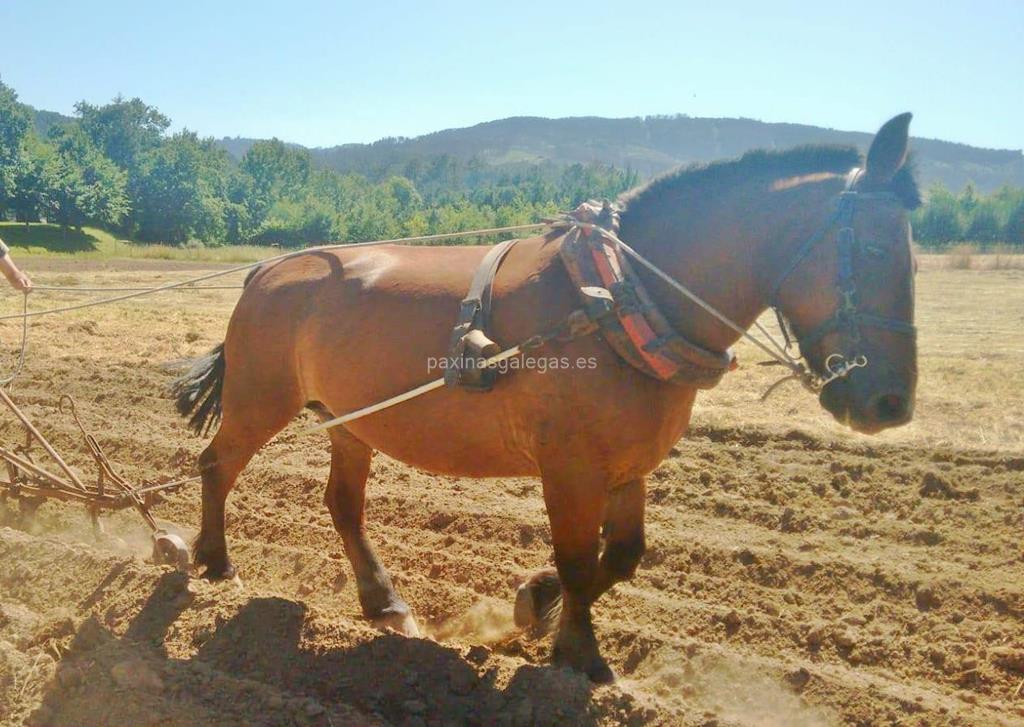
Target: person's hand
x,y
20,281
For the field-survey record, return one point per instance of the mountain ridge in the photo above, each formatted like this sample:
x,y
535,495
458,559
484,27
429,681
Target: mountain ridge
x,y
649,145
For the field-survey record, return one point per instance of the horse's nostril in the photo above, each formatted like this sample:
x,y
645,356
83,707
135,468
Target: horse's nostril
x,y
890,408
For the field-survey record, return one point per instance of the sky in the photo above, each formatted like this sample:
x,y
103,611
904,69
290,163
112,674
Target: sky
x,y
322,73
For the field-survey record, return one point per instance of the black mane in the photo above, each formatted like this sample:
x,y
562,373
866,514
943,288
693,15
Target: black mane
x,y
793,162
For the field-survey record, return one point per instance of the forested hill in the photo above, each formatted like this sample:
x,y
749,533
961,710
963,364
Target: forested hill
x,y
648,146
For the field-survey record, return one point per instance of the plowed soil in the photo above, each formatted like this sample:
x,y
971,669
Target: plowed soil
x,y
797,574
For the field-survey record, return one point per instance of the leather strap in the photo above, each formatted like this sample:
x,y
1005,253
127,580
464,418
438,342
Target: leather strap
x,y
475,313
476,306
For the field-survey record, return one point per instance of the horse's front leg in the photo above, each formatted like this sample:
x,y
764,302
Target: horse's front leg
x,y
576,514
576,507
624,543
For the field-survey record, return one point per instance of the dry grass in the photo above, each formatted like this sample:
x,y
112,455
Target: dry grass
x,y
968,256
225,254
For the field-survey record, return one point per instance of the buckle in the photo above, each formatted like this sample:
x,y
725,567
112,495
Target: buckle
x,y
626,299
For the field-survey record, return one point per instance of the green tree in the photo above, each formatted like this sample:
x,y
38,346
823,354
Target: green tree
x,y
1013,231
124,130
182,192
938,221
984,226
294,223
277,171
81,185
968,200
31,181
14,124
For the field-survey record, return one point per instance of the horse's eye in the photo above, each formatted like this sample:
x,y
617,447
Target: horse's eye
x,y
874,251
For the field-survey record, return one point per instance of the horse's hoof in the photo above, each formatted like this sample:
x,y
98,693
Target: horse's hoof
x,y
538,602
399,621
223,573
594,665
600,673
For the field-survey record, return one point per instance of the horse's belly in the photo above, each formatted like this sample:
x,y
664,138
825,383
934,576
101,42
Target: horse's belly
x,y
455,458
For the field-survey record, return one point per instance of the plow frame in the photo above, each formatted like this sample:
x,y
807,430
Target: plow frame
x,y
27,480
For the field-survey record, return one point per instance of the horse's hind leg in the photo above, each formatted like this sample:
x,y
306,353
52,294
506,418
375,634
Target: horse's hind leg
x,y
346,499
240,436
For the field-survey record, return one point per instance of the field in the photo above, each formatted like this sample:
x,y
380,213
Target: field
x,y
797,574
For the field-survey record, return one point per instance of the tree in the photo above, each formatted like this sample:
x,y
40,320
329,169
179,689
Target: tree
x,y
291,223
182,192
14,124
1013,232
31,199
81,185
123,130
277,171
938,221
984,224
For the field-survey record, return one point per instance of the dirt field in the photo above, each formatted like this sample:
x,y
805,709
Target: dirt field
x,y
797,574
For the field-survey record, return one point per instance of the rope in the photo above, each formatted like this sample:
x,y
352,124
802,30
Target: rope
x,y
24,344
419,390
75,289
276,258
799,372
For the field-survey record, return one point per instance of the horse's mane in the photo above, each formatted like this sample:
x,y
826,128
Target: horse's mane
x,y
801,160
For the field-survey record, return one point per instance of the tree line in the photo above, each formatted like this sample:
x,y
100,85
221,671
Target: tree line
x,y
946,218
117,166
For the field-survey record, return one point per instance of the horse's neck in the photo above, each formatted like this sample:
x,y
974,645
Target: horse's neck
x,y
723,251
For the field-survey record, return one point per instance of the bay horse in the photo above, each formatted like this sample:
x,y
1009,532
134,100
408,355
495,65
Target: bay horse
x,y
339,330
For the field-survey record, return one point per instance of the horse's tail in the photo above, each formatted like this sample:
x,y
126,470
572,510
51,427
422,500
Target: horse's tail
x,y
198,392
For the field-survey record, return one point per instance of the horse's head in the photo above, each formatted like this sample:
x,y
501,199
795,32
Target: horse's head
x,y
849,295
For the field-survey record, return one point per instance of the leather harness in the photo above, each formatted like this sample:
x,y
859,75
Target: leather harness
x,y
637,330
615,302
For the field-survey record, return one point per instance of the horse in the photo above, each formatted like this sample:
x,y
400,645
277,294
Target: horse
x,y
338,330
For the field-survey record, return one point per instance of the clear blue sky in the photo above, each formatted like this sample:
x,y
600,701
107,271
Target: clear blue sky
x,y
324,73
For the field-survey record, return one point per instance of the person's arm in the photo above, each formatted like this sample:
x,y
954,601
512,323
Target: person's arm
x,y
15,277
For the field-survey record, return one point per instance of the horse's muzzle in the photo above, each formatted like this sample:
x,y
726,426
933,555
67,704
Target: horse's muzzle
x,y
868,405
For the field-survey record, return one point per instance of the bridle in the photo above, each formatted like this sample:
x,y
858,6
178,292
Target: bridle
x,y
848,319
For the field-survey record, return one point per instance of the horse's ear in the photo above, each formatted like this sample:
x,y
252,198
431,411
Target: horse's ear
x,y
888,151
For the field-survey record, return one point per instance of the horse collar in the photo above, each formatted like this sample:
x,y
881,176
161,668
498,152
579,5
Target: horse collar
x,y
634,326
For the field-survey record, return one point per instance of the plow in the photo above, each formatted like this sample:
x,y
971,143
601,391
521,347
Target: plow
x,y
30,480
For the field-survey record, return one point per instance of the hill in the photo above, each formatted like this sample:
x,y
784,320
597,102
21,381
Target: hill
x,y
649,145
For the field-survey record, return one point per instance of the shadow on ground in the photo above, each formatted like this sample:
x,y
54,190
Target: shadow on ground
x,y
257,668
52,238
